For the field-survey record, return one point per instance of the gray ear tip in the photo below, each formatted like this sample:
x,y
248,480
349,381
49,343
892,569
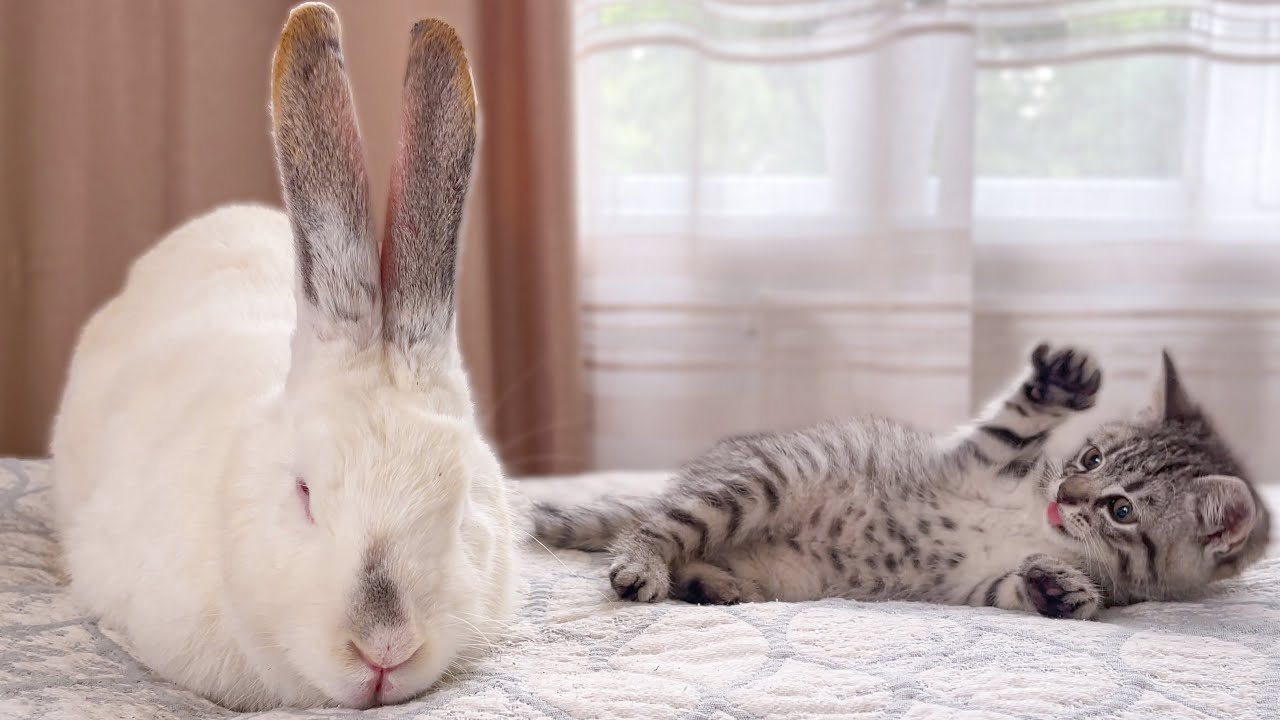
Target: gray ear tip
x,y
1178,402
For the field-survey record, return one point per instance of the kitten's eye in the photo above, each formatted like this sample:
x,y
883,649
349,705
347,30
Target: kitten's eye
x,y
1091,459
304,495
1121,509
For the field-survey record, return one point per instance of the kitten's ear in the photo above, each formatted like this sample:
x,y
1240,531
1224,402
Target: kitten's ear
x,y
1169,401
1225,512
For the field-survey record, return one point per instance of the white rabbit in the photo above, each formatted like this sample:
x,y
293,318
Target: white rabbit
x,y
268,472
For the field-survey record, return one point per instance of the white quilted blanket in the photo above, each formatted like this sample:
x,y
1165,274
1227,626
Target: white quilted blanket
x,y
575,654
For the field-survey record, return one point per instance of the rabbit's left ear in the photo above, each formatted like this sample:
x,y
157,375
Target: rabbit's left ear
x,y
429,181
326,189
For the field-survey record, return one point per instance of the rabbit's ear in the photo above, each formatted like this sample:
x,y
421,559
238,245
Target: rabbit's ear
x,y
429,180
326,189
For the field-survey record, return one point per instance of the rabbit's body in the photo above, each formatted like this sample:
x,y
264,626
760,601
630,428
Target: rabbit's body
x,y
151,412
215,293
267,470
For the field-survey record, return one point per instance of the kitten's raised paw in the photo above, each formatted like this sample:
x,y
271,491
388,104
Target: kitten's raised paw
x,y
1059,590
640,578
1065,377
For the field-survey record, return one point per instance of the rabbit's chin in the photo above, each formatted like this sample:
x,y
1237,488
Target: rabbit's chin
x,y
327,672
299,677
308,658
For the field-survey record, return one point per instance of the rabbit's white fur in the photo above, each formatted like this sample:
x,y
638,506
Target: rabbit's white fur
x,y
187,421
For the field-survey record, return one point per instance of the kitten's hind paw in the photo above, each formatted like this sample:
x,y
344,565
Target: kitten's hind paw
x,y
1066,377
642,578
704,584
1057,589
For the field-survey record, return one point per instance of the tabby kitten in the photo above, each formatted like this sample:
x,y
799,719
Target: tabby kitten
x,y
1153,508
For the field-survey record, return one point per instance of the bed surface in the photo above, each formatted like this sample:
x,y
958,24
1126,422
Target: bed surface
x,y
576,654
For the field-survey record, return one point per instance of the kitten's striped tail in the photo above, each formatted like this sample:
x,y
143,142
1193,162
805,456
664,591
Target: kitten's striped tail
x,y
583,527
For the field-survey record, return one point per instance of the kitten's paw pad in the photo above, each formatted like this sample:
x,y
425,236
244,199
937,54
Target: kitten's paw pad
x,y
715,589
640,579
1066,377
1062,593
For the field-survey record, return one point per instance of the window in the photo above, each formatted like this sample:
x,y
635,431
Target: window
x,y
805,208
750,116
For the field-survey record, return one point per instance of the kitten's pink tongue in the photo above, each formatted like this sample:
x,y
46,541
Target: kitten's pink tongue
x,y
1055,517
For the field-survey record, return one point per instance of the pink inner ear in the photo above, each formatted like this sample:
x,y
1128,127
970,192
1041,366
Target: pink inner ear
x,y
1231,524
387,267
1237,520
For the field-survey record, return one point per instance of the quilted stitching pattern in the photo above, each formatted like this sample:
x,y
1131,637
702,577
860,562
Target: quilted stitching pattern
x,y
574,653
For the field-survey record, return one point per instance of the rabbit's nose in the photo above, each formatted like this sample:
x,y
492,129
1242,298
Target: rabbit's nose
x,y
385,655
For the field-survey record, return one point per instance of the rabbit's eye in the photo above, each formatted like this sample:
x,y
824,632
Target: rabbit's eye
x,y
304,495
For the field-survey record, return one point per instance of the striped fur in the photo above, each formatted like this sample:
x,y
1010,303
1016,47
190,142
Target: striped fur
x,y
872,509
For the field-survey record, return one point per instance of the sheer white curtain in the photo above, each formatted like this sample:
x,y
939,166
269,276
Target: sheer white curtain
x,y
796,209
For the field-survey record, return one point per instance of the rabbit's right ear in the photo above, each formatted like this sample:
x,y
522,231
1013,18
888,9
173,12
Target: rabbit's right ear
x,y
429,181
326,189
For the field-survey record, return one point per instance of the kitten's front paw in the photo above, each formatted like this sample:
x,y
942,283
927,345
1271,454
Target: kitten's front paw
x,y
1066,377
1058,589
643,578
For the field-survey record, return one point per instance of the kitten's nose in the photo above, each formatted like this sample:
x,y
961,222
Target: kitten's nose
x,y
1073,491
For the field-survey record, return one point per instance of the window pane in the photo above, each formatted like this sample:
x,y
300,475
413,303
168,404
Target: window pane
x,y
640,102
763,119
1120,117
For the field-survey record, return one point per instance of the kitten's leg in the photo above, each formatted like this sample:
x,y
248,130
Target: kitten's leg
x,y
1042,584
705,584
733,493
1013,428
639,570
